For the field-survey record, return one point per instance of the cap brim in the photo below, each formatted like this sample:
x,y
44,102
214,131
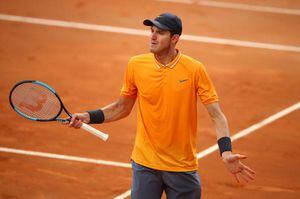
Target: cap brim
x,y
149,22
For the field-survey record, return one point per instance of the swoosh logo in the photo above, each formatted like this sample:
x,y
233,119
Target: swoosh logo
x,y
182,80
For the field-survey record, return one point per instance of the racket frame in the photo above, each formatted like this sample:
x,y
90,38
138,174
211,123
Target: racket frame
x,y
55,118
84,126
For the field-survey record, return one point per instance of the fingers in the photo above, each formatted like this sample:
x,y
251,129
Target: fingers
x,y
235,157
247,172
244,174
248,169
237,178
247,176
75,121
238,169
241,156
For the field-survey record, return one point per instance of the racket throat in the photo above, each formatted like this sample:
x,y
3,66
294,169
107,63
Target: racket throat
x,y
63,120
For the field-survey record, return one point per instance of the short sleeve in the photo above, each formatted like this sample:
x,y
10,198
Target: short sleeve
x,y
129,88
204,86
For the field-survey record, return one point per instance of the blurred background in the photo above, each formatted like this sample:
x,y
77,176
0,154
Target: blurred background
x,y
251,50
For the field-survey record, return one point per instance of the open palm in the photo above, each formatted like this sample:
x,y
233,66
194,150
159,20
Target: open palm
x,y
237,168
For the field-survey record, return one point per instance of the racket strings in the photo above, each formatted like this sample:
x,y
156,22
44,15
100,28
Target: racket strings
x,y
35,101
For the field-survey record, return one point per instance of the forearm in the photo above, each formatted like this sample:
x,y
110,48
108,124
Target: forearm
x,y
232,161
221,126
114,111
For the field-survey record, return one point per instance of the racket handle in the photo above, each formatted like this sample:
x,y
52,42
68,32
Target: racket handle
x,y
94,131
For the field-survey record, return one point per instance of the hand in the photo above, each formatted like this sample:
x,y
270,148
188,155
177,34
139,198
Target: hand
x,y
236,167
78,118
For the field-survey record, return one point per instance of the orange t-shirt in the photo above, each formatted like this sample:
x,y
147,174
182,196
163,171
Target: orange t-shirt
x,y
167,109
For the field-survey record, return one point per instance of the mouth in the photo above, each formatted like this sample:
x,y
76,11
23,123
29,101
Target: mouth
x,y
153,43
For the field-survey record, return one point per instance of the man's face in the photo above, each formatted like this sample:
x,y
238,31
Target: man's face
x,y
160,40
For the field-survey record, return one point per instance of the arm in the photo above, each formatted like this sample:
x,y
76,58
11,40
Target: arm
x,y
112,112
231,161
119,109
219,120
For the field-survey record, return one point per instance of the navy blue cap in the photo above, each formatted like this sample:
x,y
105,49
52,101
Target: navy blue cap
x,y
166,21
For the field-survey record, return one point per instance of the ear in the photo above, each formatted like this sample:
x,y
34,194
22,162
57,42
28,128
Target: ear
x,y
175,38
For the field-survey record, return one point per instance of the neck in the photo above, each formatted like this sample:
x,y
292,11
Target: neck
x,y
166,57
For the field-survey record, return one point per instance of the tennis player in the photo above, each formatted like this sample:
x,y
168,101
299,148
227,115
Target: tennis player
x,y
167,85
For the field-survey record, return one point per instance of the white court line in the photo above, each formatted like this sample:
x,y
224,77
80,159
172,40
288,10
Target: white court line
x,y
64,157
238,6
237,136
252,128
123,195
131,31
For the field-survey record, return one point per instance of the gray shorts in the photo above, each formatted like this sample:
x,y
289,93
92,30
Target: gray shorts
x,y
149,183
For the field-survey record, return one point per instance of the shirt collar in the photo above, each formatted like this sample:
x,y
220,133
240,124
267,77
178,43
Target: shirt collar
x,y
170,64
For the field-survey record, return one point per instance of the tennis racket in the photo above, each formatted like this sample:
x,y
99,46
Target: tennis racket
x,y
37,101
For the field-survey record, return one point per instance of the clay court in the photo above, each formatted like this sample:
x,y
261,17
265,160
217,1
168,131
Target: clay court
x,y
251,52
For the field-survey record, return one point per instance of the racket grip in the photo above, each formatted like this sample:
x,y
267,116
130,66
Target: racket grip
x,y
94,131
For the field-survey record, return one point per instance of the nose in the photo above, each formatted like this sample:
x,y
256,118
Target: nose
x,y
153,36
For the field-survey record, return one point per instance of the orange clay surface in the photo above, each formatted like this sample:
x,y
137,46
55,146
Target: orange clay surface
x,y
86,68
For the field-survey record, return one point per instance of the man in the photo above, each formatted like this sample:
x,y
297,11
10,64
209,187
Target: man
x,y
166,84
